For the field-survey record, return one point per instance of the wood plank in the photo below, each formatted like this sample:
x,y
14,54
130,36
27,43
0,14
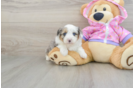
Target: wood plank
x,y
48,11
36,72
32,38
28,38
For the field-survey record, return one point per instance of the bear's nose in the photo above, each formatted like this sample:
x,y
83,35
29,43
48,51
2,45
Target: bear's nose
x,y
98,16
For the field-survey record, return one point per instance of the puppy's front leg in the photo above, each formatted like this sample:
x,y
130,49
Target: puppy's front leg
x,y
82,52
63,50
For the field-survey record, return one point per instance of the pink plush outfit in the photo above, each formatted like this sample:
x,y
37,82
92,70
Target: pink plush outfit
x,y
111,32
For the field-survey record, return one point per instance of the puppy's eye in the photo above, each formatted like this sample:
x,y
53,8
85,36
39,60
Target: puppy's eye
x,y
74,34
95,10
104,9
64,34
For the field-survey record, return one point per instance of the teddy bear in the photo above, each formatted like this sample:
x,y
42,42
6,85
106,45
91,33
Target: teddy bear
x,y
101,39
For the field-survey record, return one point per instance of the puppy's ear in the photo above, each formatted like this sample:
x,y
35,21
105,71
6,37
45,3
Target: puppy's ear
x,y
80,32
120,2
57,38
82,8
59,31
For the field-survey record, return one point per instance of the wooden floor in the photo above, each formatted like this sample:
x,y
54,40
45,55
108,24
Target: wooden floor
x,y
27,28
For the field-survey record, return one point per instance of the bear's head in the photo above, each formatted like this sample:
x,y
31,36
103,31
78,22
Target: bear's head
x,y
103,10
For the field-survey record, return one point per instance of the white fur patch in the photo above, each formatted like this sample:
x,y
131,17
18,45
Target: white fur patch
x,y
69,36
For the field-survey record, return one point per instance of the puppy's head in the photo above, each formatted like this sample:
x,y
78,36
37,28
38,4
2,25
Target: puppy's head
x,y
69,34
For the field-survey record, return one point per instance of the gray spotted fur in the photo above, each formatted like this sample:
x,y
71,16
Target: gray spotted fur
x,y
51,46
52,43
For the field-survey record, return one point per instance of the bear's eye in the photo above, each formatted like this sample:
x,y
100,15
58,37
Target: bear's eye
x,y
95,10
104,9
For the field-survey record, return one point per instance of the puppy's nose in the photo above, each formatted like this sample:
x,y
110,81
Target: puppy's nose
x,y
98,16
69,40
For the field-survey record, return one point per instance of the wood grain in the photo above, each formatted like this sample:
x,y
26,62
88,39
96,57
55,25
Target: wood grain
x,y
27,28
52,15
36,72
29,38
48,11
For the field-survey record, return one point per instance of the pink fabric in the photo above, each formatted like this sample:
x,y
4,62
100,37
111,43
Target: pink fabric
x,y
97,30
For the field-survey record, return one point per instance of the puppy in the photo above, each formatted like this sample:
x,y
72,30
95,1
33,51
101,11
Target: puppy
x,y
69,38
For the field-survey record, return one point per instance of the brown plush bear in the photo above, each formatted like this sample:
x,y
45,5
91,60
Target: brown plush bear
x,y
101,39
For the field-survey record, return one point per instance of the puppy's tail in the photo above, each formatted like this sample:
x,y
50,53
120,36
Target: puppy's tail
x,y
49,48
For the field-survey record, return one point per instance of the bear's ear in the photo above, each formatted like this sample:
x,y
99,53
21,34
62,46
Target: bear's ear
x,y
120,2
83,7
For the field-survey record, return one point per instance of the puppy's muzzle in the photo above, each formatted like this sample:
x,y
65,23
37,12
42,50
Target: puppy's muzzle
x,y
69,40
98,16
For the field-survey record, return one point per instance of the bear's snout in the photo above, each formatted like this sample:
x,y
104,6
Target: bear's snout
x,y
98,16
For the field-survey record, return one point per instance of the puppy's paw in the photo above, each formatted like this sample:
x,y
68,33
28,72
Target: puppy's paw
x,y
83,55
47,58
64,52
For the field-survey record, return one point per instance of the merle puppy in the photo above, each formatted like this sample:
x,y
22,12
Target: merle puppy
x,y
68,38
